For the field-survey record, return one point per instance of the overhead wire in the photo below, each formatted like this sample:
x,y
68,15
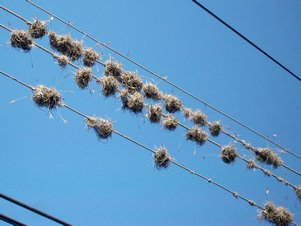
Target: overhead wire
x,y
10,220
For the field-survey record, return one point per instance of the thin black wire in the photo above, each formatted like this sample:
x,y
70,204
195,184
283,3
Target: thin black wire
x,y
167,81
246,39
10,220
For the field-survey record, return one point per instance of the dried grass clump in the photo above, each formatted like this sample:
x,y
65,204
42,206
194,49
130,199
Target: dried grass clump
x,y
170,122
187,112
172,103
83,76
215,128
268,156
199,118
132,101
21,39
103,128
276,215
37,29
228,154
113,68
196,134
75,50
298,191
62,60
90,57
154,113
46,97
151,91
161,158
251,164
131,81
109,85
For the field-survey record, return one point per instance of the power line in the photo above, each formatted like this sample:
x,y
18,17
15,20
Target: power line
x,y
11,221
166,81
246,39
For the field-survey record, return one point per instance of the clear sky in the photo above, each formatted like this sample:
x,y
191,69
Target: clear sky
x,y
65,171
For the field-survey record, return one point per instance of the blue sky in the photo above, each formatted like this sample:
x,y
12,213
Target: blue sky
x,y
65,171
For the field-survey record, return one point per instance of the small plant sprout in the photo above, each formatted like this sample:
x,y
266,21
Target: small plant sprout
x,y
62,60
215,128
131,81
199,118
132,101
298,191
187,112
276,215
109,85
197,135
46,97
103,128
251,164
37,29
267,156
172,103
161,158
228,154
245,144
83,76
154,113
90,57
151,91
170,122
113,68
22,40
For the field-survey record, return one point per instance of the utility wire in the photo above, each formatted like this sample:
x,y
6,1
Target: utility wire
x,y
11,221
165,80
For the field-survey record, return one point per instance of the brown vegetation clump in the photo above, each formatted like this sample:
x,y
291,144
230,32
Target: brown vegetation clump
x,y
215,128
251,164
187,112
83,76
109,85
170,122
21,39
37,29
298,191
228,154
199,118
75,50
196,134
161,158
103,128
276,215
90,57
172,103
267,156
151,91
154,113
131,81
62,60
132,101
46,97
113,68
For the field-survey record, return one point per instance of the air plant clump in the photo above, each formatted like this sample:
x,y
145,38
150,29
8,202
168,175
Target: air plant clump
x,y
196,134
215,128
37,29
228,154
298,191
187,112
161,158
154,113
172,103
267,173
90,57
131,81
46,97
62,60
267,156
132,101
83,76
170,122
199,118
251,164
113,68
276,215
22,40
103,128
75,50
151,91
109,85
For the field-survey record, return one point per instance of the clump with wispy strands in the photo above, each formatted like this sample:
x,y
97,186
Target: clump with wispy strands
x,y
298,191
228,154
199,118
75,51
46,97
132,101
113,68
170,122
109,85
161,158
22,40
151,91
215,128
62,60
276,215
131,81
197,135
103,128
154,113
90,57
172,103
83,76
267,156
37,29
187,112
